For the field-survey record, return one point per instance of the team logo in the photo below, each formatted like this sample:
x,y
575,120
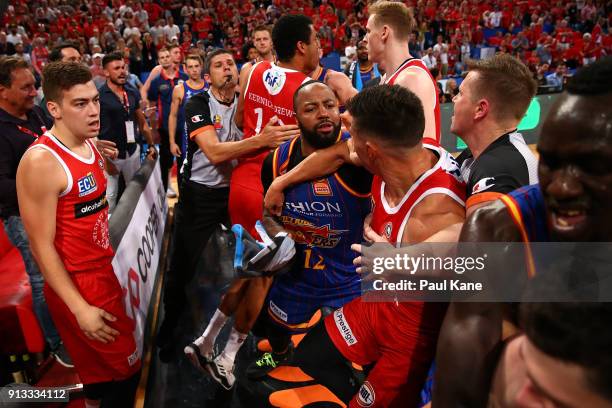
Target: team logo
x,y
322,187
217,122
87,184
305,232
483,184
274,80
366,395
101,164
101,236
196,118
388,229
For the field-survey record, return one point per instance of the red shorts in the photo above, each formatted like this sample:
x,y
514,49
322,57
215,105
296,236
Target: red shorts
x,y
400,339
95,361
246,196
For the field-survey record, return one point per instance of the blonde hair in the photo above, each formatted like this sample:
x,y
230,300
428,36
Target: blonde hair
x,y
396,15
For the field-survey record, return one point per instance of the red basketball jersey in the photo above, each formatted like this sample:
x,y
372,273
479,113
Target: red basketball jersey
x,y
269,91
443,178
414,63
81,234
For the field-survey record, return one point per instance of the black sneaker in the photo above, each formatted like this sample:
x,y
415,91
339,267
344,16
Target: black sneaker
x,y
268,362
60,354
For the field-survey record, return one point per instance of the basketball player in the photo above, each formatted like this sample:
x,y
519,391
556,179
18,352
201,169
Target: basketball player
x,y
387,33
262,40
323,217
571,203
62,198
180,95
266,97
416,191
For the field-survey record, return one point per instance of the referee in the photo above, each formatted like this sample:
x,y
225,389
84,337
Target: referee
x,y
214,143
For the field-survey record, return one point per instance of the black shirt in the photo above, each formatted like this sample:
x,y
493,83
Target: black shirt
x,y
16,135
505,165
113,116
357,178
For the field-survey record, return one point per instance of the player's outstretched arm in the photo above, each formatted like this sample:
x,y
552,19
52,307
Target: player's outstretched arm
x,y
341,85
145,87
177,97
471,332
38,197
318,164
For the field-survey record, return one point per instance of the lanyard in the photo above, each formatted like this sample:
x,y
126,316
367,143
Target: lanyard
x,y
29,132
126,102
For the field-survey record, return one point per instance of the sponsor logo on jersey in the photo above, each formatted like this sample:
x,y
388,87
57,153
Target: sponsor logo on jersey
x,y
366,395
274,80
388,229
133,358
217,121
87,184
322,187
278,312
312,207
483,184
305,232
197,118
344,328
90,207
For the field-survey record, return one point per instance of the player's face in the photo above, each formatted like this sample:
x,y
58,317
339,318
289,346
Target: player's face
x,y
263,42
20,95
176,56
362,52
79,110
312,51
551,383
194,69
463,106
318,115
164,59
575,168
71,55
116,72
253,54
223,71
373,40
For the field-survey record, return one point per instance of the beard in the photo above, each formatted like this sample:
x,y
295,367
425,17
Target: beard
x,y
320,140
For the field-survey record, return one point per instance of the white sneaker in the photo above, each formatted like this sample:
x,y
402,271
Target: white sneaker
x,y
222,370
170,193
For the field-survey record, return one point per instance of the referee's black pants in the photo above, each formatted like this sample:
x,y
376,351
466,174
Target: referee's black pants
x,y
199,211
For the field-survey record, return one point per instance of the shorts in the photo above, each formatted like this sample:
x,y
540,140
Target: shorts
x,y
399,339
95,361
246,196
291,306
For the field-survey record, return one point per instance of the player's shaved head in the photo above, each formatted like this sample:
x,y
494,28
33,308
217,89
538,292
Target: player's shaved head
x,y
575,167
318,117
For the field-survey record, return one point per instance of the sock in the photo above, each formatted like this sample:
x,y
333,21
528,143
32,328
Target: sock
x,y
212,330
236,340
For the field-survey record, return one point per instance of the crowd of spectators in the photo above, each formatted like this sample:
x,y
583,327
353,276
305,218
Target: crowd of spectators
x,y
545,34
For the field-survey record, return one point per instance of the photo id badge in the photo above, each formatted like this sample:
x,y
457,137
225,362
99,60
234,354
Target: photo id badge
x,y
129,131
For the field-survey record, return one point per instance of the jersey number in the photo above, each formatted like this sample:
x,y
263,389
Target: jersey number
x,y
319,266
259,113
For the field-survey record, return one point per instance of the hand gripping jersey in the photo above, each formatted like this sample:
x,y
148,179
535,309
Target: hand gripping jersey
x,y
400,338
417,64
81,236
269,92
82,242
324,217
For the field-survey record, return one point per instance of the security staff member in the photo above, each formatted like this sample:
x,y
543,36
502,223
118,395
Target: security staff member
x,y
120,120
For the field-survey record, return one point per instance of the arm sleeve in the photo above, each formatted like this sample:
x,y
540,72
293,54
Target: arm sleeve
x,y
197,115
266,171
